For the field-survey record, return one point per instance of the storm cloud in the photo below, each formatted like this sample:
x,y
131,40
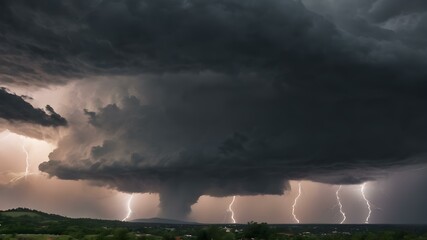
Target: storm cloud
x,y
15,108
53,42
226,97
220,137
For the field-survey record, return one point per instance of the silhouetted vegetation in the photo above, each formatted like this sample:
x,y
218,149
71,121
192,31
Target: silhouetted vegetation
x,y
257,231
26,224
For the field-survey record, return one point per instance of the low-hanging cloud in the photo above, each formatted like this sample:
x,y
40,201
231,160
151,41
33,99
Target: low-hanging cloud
x,y
55,42
227,97
181,144
14,108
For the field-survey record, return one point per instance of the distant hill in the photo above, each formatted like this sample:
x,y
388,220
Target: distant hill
x,y
162,221
28,221
25,212
36,225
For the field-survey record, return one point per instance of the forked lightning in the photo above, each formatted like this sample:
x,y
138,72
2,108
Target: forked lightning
x,y
368,204
295,203
230,209
27,166
337,193
129,208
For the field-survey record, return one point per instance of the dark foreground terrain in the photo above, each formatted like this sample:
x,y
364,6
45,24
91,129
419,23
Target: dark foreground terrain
x,y
30,224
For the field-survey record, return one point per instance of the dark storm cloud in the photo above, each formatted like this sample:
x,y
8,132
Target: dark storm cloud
x,y
231,97
383,10
52,41
14,108
45,43
390,20
241,137
373,10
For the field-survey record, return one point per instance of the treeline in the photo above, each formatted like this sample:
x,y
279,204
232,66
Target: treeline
x,y
25,224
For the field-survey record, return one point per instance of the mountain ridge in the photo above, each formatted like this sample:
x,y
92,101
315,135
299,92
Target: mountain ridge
x,y
27,212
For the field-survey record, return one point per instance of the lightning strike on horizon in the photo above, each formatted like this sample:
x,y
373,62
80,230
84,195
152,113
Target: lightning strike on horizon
x,y
295,203
27,162
337,193
368,204
230,209
27,165
129,208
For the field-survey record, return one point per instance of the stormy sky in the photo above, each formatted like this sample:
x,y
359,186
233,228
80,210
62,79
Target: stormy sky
x,y
187,103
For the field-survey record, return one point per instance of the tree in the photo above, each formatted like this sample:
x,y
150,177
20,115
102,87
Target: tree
x,y
121,234
257,230
211,233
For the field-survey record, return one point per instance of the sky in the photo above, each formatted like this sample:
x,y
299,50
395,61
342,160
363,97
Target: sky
x,y
187,103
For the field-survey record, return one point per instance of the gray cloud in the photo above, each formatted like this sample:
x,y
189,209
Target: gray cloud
x,y
383,10
243,137
52,42
388,20
15,108
228,97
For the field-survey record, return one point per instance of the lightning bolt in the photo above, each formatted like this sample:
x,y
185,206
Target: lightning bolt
x,y
337,193
27,162
295,203
129,207
19,176
230,209
368,204
27,165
